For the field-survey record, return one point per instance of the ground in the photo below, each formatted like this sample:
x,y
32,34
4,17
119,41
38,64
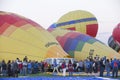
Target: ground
x,y
50,76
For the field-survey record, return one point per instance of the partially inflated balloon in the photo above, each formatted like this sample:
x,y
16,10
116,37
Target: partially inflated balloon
x,y
114,44
82,21
81,46
116,33
21,37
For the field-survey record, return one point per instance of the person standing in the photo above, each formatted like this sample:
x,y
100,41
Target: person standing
x,y
29,67
4,68
102,67
70,68
24,68
55,65
108,67
9,68
20,67
0,68
15,68
42,66
95,67
64,68
46,66
81,65
74,66
114,67
88,66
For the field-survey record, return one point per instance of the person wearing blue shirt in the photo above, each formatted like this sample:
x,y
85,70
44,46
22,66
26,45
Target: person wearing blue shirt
x,y
55,65
29,67
88,66
114,65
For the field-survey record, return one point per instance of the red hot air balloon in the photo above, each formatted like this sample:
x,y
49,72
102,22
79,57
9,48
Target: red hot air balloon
x,y
116,33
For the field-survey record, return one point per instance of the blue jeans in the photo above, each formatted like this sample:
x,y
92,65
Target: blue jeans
x,y
108,71
29,70
101,71
4,72
24,71
115,71
70,73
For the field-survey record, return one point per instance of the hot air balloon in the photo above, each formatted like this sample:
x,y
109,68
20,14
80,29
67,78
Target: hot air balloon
x,y
81,46
116,33
114,44
79,20
21,37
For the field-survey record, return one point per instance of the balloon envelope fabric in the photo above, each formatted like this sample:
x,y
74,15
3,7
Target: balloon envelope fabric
x,y
80,46
116,33
21,37
114,44
79,20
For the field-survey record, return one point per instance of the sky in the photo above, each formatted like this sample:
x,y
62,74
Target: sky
x,y
46,12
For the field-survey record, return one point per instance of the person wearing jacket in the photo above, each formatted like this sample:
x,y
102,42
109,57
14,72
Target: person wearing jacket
x,y
114,65
70,68
64,68
102,67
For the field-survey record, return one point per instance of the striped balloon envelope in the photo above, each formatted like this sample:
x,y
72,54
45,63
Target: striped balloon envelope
x,y
21,37
79,20
81,46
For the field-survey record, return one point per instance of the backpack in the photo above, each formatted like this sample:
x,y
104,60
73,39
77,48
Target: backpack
x,y
115,64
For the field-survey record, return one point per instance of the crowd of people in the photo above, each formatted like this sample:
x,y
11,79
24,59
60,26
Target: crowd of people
x,y
94,65
97,66
15,67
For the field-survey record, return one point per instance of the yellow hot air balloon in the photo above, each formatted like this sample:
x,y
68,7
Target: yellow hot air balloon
x,y
81,46
21,37
79,20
